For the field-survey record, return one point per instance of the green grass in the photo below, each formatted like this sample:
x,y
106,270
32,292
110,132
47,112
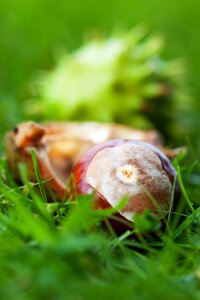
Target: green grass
x,y
62,251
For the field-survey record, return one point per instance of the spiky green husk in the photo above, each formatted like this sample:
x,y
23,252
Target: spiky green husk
x,y
122,78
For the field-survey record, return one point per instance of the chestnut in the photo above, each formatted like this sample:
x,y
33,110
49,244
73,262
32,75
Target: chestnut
x,y
130,168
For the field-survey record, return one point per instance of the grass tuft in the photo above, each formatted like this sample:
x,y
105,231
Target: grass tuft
x,y
68,250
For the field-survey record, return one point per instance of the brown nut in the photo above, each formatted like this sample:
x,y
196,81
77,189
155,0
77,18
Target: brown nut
x,y
121,168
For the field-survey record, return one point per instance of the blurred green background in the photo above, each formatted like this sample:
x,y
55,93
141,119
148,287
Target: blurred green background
x,y
32,32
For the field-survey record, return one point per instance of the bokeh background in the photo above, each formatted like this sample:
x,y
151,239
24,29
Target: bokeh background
x,y
32,32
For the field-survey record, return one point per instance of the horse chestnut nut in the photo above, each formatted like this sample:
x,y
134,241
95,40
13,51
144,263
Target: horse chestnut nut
x,y
121,168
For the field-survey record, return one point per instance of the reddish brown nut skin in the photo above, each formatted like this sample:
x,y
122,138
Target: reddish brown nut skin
x,y
100,201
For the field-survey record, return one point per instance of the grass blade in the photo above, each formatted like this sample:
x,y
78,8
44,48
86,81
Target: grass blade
x,y
39,179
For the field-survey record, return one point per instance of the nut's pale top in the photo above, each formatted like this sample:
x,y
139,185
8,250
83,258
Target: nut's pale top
x,y
130,170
